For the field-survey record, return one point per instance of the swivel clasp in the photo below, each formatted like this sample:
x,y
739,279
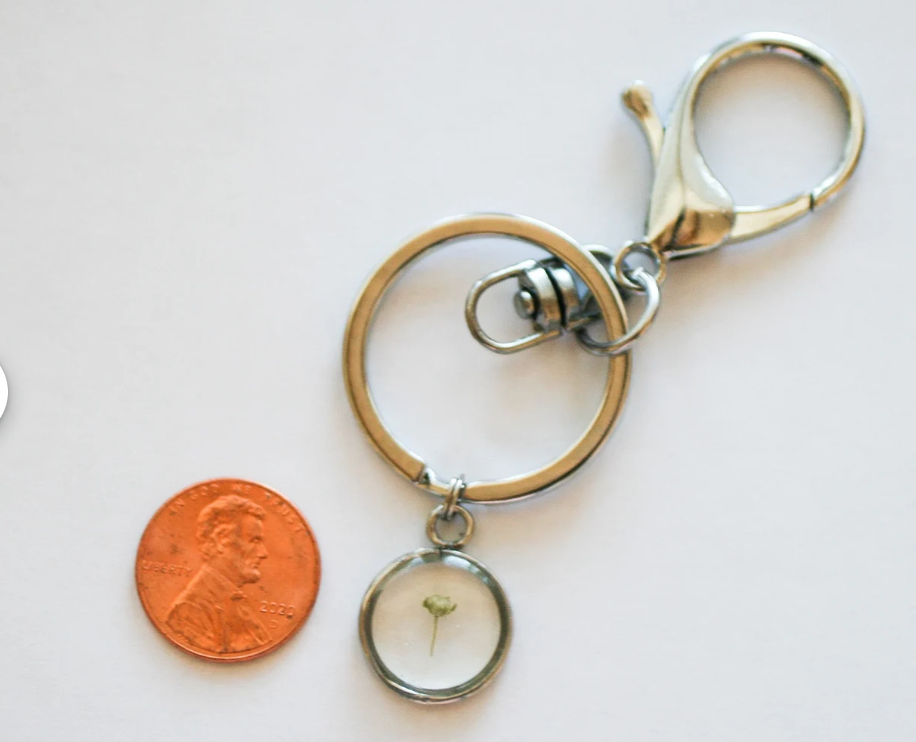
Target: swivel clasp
x,y
547,295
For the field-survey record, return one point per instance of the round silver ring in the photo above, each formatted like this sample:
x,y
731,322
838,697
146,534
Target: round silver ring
x,y
458,560
621,272
439,513
648,286
560,245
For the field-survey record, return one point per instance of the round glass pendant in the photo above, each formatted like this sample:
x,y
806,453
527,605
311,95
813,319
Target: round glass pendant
x,y
435,625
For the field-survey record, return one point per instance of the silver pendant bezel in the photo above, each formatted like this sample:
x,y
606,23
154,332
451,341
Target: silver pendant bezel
x,y
455,560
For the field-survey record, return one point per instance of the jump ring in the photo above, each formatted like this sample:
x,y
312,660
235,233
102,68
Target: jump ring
x,y
455,490
625,276
438,514
647,283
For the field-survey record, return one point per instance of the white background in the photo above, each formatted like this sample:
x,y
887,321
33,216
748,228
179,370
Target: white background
x,y
191,194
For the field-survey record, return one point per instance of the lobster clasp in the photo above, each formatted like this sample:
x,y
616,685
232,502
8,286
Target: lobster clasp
x,y
690,211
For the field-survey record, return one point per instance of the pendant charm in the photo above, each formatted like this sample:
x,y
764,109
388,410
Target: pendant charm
x,y
435,625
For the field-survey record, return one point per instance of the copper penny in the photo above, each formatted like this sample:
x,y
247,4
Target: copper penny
x,y
228,570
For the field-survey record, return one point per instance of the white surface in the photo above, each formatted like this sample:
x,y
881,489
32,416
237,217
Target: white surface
x,y
190,196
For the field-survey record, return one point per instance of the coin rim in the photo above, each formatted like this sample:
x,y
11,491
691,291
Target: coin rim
x,y
238,656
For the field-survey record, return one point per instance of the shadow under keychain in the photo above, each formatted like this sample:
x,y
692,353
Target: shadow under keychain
x,y
435,624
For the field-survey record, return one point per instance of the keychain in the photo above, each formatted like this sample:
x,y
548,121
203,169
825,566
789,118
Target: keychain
x,y
436,624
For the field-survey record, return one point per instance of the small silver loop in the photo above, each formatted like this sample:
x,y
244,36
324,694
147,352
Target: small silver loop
x,y
623,274
497,346
438,514
456,489
648,284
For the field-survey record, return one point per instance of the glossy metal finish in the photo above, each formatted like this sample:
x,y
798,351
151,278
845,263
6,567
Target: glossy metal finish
x,y
535,290
439,514
407,463
457,560
690,211
621,270
649,285
450,504
547,295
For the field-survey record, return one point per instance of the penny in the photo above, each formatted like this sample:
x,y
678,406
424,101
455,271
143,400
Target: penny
x,y
228,570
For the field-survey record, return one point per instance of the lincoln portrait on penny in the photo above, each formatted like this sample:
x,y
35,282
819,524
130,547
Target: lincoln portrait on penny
x,y
212,612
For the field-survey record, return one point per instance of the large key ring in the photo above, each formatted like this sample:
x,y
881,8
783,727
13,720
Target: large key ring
x,y
563,248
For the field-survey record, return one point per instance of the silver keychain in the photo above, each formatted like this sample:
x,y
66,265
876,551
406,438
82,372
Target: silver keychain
x,y
441,591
